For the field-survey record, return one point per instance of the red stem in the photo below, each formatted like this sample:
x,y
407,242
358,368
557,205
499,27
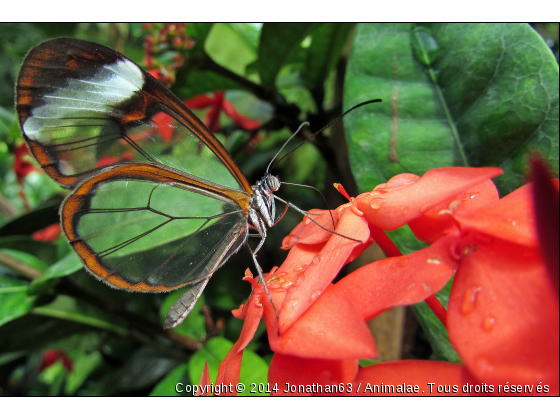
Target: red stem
x,y
437,308
391,250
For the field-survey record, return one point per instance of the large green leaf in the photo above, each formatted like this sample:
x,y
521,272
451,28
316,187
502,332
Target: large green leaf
x,y
453,95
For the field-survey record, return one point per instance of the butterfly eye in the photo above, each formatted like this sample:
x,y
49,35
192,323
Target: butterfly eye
x,y
273,183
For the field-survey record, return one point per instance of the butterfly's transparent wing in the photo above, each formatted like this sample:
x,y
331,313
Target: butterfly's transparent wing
x,y
144,227
83,107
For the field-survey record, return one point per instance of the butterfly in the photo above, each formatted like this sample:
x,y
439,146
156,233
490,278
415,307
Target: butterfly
x,y
157,201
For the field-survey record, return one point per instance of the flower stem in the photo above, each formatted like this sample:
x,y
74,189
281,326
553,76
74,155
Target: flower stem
x,y
437,308
391,250
384,242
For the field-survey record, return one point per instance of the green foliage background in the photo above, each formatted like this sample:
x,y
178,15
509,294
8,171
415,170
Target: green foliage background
x,y
453,95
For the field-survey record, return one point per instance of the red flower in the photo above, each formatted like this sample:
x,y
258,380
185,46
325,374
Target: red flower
x,y
503,309
22,167
48,234
217,104
52,356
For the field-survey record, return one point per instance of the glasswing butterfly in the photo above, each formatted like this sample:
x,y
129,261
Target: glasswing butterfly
x,y
157,202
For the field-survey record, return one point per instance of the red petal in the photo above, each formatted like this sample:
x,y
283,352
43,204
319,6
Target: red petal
x,y
512,218
50,233
400,202
200,102
242,121
330,329
437,221
308,232
324,267
164,125
302,371
229,370
503,314
400,280
408,373
204,381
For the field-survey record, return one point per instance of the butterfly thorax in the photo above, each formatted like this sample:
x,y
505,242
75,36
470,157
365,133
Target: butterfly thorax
x,y
262,209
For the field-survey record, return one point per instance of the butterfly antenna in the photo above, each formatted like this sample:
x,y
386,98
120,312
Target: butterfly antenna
x,y
323,129
284,145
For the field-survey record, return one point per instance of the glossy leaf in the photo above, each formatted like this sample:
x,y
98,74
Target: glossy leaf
x,y
68,265
14,300
453,95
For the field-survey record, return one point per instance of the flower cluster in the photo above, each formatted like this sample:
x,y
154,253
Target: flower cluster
x,y
502,315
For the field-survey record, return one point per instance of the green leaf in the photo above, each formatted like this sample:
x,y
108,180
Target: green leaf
x,y
277,43
14,301
67,308
434,329
453,95
83,366
229,49
45,251
25,258
68,265
324,51
213,352
166,387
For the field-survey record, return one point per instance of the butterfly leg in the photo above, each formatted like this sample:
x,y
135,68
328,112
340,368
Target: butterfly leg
x,y
259,270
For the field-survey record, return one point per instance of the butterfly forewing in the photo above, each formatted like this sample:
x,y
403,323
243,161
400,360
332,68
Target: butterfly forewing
x,y
83,107
158,202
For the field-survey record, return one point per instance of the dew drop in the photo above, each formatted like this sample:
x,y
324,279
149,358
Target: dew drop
x,y
469,303
316,294
426,286
376,203
299,278
282,274
316,259
489,323
435,261
300,267
289,241
411,286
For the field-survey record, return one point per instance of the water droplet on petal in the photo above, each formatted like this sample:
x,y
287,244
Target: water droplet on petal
x,y
316,259
469,303
376,203
300,267
282,274
489,323
436,261
299,278
316,294
426,286
289,241
411,286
